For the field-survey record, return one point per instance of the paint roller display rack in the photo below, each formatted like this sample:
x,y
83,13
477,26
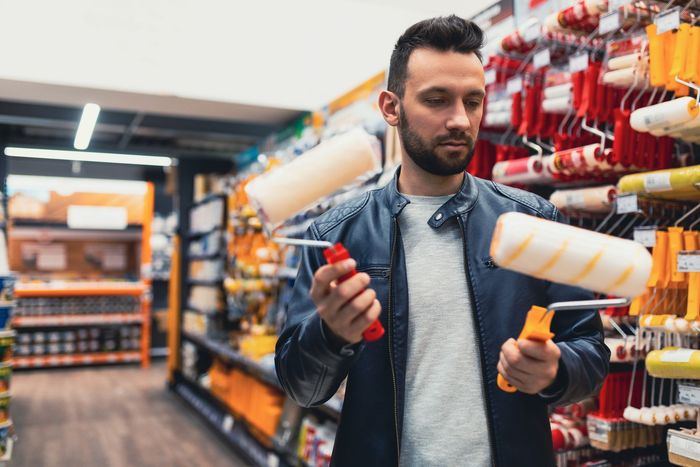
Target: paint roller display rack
x,y
40,320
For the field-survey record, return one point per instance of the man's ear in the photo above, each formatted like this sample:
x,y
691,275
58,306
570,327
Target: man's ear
x,y
389,106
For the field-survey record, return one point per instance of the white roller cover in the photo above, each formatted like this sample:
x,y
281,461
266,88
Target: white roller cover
x,y
677,131
316,174
560,105
665,114
620,78
625,61
527,170
504,105
596,199
570,255
561,90
497,119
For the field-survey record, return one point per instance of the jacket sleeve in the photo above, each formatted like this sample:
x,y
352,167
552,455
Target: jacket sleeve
x,y
585,359
310,367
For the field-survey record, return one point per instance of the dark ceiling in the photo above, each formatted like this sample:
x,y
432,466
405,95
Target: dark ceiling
x,y
52,126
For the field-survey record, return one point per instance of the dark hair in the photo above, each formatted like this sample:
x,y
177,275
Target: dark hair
x,y
444,33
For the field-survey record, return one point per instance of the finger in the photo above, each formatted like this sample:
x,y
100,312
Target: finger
x,y
542,351
355,307
341,294
514,371
513,380
325,275
364,320
515,359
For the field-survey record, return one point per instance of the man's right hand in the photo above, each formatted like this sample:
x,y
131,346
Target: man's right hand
x,y
349,308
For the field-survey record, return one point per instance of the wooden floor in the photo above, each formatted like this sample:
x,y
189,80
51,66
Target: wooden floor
x,y
109,416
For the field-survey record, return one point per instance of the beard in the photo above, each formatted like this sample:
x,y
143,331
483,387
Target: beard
x,y
423,153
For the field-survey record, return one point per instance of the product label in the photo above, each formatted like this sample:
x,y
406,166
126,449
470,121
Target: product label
x,y
627,203
578,62
684,447
490,76
689,394
645,235
541,59
609,22
598,430
515,85
668,20
654,182
575,199
677,356
689,261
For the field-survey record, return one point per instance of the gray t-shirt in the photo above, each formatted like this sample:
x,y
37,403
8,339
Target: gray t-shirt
x,y
445,416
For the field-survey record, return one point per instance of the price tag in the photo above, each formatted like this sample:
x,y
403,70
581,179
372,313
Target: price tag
x,y
684,447
228,423
541,59
598,430
515,85
689,261
578,62
609,22
645,235
490,76
627,203
668,20
689,394
532,33
615,4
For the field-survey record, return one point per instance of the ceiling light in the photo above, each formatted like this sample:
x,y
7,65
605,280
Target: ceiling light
x,y
87,126
87,156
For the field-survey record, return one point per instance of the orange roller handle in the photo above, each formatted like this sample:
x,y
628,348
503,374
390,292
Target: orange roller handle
x,y
536,328
692,60
675,244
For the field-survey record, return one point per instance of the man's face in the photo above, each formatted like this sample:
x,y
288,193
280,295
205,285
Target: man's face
x,y
441,110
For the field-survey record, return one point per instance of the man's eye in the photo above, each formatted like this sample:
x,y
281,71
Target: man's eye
x,y
474,104
435,101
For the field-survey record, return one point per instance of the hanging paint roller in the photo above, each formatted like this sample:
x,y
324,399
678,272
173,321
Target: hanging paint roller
x,y
665,114
291,188
569,255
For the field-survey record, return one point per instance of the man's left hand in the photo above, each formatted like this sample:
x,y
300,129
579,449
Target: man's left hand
x,y
528,365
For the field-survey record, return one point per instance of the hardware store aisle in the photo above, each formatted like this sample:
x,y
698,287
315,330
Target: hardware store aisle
x,y
109,416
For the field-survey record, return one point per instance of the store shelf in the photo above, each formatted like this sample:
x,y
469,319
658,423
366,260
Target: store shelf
x,y
6,459
234,431
331,408
77,359
31,230
230,355
79,289
683,448
76,320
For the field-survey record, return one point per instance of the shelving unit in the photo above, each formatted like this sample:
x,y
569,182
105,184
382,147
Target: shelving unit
x,y
26,323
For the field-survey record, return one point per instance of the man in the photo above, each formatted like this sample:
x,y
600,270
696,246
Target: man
x,y
426,393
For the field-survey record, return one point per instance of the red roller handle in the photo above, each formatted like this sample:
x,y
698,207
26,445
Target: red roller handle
x,y
338,253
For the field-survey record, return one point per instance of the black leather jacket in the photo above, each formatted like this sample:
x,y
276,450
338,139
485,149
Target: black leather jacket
x,y
311,369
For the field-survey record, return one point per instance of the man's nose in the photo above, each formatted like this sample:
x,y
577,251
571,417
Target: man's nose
x,y
459,120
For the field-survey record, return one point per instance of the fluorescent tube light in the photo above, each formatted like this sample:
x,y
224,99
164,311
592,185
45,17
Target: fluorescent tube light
x,y
87,156
87,126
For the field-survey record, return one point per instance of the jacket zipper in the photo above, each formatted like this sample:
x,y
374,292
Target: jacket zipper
x,y
477,324
391,337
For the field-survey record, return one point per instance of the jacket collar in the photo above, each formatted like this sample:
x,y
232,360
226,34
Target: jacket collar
x,y
463,201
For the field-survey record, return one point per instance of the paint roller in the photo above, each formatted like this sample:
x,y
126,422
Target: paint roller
x,y
597,199
567,255
526,170
323,170
666,114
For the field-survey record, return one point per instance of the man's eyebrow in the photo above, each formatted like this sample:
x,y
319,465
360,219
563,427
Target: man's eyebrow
x,y
443,90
